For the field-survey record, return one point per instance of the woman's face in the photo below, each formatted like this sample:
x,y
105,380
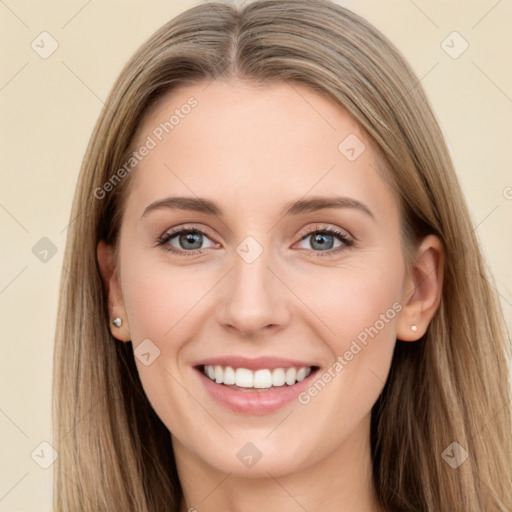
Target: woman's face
x,y
253,282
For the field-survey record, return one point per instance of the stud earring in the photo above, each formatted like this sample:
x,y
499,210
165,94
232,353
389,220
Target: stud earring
x,y
414,327
117,322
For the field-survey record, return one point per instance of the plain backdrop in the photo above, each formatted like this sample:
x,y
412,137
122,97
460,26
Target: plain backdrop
x,y
48,109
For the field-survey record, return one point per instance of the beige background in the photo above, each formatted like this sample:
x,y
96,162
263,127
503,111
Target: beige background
x,y
48,109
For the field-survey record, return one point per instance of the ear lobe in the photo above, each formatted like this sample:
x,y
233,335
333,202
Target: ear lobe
x,y
422,290
108,268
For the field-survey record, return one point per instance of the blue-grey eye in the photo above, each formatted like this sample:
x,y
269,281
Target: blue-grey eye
x,y
190,240
185,240
324,240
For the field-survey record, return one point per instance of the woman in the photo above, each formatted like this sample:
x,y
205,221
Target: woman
x,y
331,339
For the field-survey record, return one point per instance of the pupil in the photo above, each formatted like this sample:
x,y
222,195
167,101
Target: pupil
x,y
322,239
189,238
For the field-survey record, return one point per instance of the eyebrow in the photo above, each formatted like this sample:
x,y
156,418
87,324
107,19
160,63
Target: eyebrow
x,y
312,204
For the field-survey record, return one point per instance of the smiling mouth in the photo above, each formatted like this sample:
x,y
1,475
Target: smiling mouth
x,y
264,379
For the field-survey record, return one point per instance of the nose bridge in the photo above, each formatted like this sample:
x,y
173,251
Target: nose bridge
x,y
252,300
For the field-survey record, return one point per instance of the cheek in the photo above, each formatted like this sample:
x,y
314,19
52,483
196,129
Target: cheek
x,y
357,313
159,298
354,298
159,303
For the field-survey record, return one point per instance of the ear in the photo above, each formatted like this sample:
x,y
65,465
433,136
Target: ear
x,y
110,275
422,290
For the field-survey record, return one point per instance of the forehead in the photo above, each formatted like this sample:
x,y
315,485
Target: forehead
x,y
251,141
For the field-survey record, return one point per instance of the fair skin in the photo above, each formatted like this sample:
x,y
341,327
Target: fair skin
x,y
253,149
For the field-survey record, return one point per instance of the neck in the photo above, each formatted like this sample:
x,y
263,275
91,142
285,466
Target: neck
x,y
339,482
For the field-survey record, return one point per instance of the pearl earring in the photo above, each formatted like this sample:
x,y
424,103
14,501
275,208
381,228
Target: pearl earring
x,y
414,328
117,322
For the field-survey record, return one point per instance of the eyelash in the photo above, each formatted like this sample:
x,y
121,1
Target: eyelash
x,y
347,241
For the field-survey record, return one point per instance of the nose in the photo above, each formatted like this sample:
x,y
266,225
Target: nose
x,y
254,298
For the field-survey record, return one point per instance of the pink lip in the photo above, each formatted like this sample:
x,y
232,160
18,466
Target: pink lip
x,y
254,402
253,363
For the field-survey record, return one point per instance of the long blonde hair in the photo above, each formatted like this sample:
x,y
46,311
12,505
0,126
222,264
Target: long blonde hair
x,y
115,454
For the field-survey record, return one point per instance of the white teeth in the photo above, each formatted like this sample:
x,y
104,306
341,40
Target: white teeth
x,y
243,378
259,379
229,376
301,374
219,374
262,379
278,377
291,374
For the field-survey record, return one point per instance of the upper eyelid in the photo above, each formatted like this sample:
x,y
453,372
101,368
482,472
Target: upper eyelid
x,y
312,229
181,229
319,227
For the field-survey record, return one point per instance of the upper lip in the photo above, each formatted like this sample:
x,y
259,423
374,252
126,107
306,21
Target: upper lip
x,y
256,363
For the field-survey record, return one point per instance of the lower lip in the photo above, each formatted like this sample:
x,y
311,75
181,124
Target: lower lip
x,y
254,402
